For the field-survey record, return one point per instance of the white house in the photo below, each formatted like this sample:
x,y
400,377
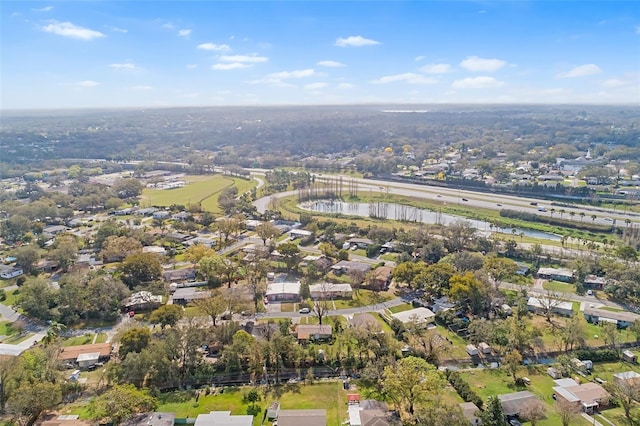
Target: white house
x,y
223,418
541,305
161,214
11,273
283,292
420,316
330,291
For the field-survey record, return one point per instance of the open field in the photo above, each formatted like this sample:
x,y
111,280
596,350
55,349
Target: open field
x,y
363,298
199,189
327,395
559,287
85,339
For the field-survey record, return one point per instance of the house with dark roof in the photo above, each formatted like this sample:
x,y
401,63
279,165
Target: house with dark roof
x,y
512,403
622,319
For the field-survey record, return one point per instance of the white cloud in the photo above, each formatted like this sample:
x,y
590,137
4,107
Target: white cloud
x,y
184,33
581,71
408,77
355,41
277,78
293,74
436,68
116,29
638,29
141,87
315,86
87,83
331,64
192,66
168,26
474,63
43,9
346,86
126,66
230,66
244,58
213,46
419,58
629,80
67,29
476,83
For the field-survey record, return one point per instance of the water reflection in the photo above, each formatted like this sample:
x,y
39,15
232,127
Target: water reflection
x,y
413,214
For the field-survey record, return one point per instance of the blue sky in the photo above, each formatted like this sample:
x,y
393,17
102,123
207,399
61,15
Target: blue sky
x,y
79,54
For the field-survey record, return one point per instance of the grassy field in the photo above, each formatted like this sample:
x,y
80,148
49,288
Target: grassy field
x,y
6,328
85,339
559,287
199,189
12,297
400,308
490,382
325,395
363,298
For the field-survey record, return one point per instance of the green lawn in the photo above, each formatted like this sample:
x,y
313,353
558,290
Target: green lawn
x,y
363,298
329,396
400,308
85,339
287,307
559,287
6,329
12,297
199,189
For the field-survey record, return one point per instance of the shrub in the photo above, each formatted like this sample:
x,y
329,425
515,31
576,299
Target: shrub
x,y
463,388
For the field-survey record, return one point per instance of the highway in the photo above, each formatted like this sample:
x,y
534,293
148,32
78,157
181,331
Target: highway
x,y
474,199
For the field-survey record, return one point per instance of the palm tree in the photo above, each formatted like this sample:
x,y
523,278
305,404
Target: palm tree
x,y
593,217
552,211
572,214
562,212
581,216
53,332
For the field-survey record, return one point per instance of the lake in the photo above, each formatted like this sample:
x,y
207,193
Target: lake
x,y
411,214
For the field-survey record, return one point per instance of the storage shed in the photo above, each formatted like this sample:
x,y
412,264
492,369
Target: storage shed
x,y
485,348
629,356
472,350
87,360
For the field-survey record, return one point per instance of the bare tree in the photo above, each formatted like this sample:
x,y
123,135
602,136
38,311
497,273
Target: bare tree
x,y
626,393
567,411
533,411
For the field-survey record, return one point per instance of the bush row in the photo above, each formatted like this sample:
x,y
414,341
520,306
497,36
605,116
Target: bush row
x,y
601,355
531,217
463,388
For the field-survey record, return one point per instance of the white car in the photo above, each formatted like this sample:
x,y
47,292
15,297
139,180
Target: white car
x,y
304,311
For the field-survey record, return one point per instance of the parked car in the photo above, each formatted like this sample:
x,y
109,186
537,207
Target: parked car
x,y
304,311
464,199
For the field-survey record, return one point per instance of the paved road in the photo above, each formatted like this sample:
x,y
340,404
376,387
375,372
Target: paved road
x,y
476,199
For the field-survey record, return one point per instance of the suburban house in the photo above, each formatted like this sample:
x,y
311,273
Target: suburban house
x,y
55,229
302,417
369,412
186,295
557,274
324,291
469,411
345,266
622,319
178,237
541,305
299,233
277,292
594,282
160,251
9,273
223,418
627,376
82,352
182,216
589,396
142,301
512,403
381,278
146,211
365,321
362,243
420,316
252,224
160,214
313,331
179,275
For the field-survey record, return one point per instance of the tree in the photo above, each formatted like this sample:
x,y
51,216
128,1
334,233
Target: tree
x,y
213,306
411,381
267,231
467,261
438,414
290,253
610,335
218,265
26,257
196,252
627,253
573,333
64,252
37,298
493,414
533,411
32,399
468,289
625,393
14,228
512,361
127,188
436,278
499,268
458,235
134,339
120,403
166,315
140,268
115,249
566,410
